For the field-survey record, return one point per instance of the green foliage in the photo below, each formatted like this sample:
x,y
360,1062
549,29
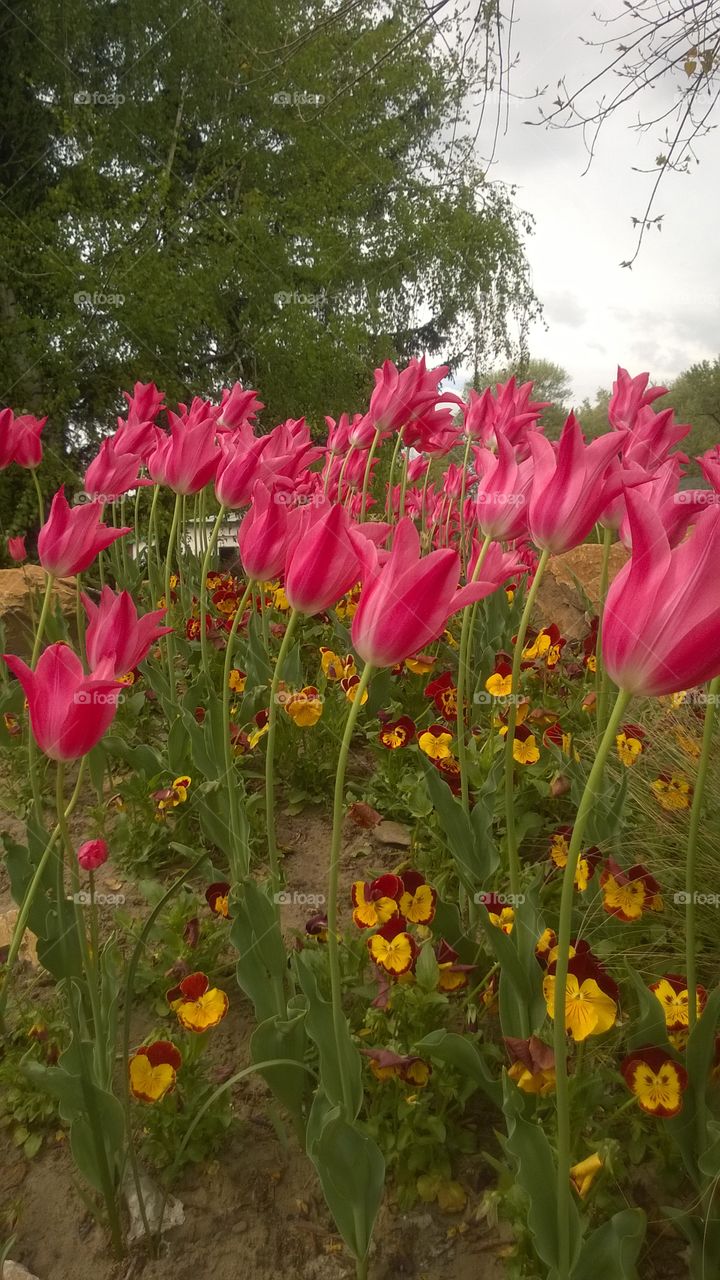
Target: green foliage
x,y
217,211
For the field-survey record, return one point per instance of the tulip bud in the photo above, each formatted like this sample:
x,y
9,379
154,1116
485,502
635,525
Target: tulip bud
x,y
16,549
92,854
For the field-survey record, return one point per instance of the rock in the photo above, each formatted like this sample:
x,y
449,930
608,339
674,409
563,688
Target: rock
x,y
393,833
28,950
559,599
173,1214
16,1271
16,588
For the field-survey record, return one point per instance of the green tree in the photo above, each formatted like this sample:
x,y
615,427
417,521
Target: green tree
x,y
239,189
695,397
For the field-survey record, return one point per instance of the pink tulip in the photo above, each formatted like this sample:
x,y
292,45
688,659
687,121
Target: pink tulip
x,y
629,396
71,537
239,469
92,854
398,397
497,566
112,473
573,483
137,438
710,466
503,490
28,446
16,549
434,432
238,408
7,437
69,711
187,459
417,469
144,404
661,624
116,634
652,437
322,561
263,535
406,601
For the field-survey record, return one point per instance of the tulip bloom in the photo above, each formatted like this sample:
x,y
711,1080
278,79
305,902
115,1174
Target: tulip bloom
x,y
323,561
573,483
16,549
28,446
92,854
263,535
112,473
662,615
629,396
406,601
503,491
69,711
400,396
187,459
115,632
71,537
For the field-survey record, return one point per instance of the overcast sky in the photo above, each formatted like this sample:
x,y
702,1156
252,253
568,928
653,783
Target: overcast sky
x,y
664,314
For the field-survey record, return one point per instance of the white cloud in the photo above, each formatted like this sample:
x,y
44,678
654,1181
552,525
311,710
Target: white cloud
x,y
662,315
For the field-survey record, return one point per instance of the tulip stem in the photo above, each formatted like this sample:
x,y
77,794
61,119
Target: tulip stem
x,y
88,1083
339,1024
168,573
242,866
403,484
601,675
691,856
512,848
469,613
40,499
589,798
270,751
463,488
21,923
33,765
42,623
393,460
368,467
203,586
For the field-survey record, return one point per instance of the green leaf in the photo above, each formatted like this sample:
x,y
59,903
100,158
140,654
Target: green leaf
x,y
459,1052
611,1250
320,1028
536,1174
284,1038
262,960
351,1169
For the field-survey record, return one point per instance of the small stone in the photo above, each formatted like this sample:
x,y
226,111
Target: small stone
x,y
16,1271
173,1214
393,833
